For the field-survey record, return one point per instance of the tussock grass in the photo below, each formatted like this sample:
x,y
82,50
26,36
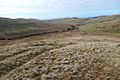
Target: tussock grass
x,y
81,57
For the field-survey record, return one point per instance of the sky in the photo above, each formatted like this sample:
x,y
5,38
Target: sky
x,y
50,9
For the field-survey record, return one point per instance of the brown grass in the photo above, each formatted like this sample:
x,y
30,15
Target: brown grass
x,y
61,57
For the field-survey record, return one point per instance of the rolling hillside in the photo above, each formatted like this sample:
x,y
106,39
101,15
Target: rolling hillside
x,y
18,28
60,49
65,56
110,24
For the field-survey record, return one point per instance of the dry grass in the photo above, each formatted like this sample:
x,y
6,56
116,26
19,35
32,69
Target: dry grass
x,y
62,58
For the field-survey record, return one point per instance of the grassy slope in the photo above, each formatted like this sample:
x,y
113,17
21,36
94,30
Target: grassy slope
x,y
62,57
12,28
65,56
105,24
102,24
15,28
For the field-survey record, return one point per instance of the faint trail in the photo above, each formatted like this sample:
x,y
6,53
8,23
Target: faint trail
x,y
10,63
13,62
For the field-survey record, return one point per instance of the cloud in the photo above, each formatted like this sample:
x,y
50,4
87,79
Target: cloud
x,y
18,7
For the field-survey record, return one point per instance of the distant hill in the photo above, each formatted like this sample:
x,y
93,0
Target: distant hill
x,y
76,20
94,24
110,24
17,28
89,49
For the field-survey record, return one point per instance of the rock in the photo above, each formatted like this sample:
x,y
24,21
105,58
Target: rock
x,y
51,76
65,62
